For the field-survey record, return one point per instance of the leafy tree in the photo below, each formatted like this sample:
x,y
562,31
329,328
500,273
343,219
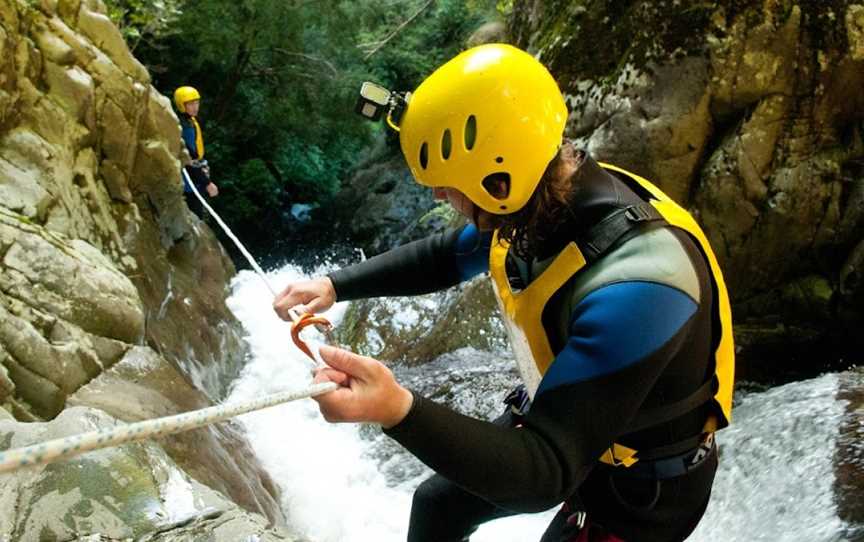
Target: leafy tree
x,y
279,79
140,20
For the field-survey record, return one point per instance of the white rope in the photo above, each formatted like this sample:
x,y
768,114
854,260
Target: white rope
x,y
62,448
231,235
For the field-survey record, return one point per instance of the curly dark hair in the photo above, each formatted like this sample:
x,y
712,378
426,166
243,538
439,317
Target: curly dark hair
x,y
528,228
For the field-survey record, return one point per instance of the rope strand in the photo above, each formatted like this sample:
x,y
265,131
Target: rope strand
x,y
63,448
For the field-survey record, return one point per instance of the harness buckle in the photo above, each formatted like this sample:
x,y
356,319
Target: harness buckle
x,y
577,519
519,401
703,450
638,213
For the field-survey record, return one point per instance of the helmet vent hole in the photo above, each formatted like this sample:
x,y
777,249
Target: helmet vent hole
x,y
470,132
497,185
446,144
424,155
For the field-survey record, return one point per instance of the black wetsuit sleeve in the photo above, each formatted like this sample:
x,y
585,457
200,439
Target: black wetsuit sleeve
x,y
602,378
419,267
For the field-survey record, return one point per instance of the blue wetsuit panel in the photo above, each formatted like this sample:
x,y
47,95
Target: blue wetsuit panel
x,y
189,139
616,326
188,135
471,252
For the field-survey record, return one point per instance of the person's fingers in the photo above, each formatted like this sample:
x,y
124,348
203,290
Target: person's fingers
x,y
312,306
281,310
287,299
327,374
312,296
335,405
277,301
347,362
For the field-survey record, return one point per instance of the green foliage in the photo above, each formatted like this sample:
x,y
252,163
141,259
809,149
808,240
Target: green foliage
x,y
279,79
145,19
253,188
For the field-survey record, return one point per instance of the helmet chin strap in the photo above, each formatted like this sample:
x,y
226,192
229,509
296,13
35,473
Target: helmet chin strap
x,y
475,214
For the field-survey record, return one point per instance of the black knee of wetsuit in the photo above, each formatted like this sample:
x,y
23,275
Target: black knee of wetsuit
x,y
443,512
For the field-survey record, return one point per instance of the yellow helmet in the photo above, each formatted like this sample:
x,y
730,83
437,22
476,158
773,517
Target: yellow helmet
x,y
492,112
183,95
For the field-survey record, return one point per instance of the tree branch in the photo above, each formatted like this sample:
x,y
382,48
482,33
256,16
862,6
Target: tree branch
x,y
309,57
396,31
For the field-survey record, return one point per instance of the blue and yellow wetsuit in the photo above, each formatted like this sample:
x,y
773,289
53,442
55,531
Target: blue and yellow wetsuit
x,y
632,332
197,170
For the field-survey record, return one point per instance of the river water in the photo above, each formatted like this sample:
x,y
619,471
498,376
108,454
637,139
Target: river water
x,y
344,482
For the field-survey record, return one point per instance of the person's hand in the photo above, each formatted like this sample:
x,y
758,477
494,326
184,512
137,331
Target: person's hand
x,y
213,190
316,295
368,391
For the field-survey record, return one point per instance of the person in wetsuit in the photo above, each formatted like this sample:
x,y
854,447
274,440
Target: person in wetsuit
x,y
188,102
616,309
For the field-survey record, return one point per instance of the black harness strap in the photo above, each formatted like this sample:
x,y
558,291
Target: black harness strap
x,y
665,413
617,227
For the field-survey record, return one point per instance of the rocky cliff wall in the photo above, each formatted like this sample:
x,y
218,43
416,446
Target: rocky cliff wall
x,y
101,264
750,114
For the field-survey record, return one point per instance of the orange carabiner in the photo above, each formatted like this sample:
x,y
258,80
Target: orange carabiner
x,y
301,323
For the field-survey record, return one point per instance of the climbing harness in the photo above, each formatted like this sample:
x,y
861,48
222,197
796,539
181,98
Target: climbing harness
x,y
299,322
62,448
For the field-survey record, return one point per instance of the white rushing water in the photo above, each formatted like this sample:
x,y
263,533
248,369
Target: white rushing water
x,y
344,482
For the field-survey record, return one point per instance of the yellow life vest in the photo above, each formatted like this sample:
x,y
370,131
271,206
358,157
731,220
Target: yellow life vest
x,y
522,312
199,138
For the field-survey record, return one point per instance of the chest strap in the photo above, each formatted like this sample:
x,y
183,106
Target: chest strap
x,y
617,227
666,413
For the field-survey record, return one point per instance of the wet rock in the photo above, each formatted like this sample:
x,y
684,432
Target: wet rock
x,y
133,491
419,329
849,456
142,386
377,203
100,256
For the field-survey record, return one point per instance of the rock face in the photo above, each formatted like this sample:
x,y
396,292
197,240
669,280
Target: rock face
x,y
101,264
142,386
134,491
392,206
749,114
419,329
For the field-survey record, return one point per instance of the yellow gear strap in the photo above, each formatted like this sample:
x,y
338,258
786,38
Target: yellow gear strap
x,y
524,309
199,138
619,455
